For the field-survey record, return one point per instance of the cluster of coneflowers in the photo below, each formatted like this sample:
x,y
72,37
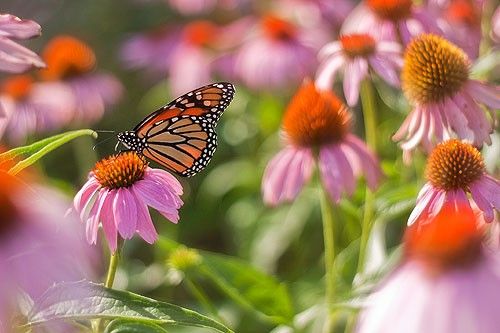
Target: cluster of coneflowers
x,y
448,279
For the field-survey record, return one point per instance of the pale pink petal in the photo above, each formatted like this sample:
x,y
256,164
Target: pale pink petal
x,y
438,201
366,159
14,27
327,71
330,50
409,124
156,197
424,199
416,138
15,58
86,192
125,212
388,47
478,121
336,171
457,120
108,221
385,70
145,226
166,177
484,93
481,202
277,186
92,222
355,72
491,189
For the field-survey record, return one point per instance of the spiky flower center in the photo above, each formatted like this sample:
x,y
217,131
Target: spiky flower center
x,y
200,33
277,28
315,117
433,69
121,170
454,165
18,87
451,239
67,56
358,45
392,10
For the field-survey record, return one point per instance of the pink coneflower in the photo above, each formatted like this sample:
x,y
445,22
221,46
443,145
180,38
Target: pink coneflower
x,y
397,20
71,61
356,54
435,79
117,195
32,107
38,245
454,170
15,58
188,56
277,54
449,281
316,129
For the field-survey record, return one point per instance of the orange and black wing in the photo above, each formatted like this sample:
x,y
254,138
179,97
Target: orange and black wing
x,y
182,144
209,102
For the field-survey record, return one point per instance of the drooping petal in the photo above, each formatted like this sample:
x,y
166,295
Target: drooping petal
x,y
157,198
355,71
327,71
366,159
489,95
336,172
424,198
385,70
277,186
145,226
482,203
13,27
125,212
15,58
108,221
82,197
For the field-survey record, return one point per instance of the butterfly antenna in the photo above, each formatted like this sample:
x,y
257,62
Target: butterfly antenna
x,y
104,131
101,142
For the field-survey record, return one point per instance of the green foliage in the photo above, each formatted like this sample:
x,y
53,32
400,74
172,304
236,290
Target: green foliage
x,y
87,300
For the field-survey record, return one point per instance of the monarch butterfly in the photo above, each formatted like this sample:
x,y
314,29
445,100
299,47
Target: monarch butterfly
x,y
181,135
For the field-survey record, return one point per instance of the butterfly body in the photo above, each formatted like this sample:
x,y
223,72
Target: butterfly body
x,y
181,135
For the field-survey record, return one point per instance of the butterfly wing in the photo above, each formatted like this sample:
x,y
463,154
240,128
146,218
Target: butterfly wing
x,y
181,136
182,144
209,101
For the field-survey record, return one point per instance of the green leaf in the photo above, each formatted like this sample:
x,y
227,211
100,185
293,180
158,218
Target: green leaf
x,y
87,300
37,150
249,287
127,326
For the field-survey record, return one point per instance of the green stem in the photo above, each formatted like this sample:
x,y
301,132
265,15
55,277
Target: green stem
x,y
200,295
110,279
370,120
329,241
113,265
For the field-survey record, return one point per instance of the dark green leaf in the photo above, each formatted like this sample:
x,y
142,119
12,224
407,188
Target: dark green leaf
x,y
86,300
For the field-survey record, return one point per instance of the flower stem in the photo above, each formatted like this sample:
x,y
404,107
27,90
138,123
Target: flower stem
x,y
110,279
200,295
329,241
370,121
113,265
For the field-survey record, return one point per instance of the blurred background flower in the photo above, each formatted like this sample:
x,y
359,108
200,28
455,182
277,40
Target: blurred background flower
x,y
356,55
39,246
72,62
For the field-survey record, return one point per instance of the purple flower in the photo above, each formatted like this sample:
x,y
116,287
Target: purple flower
x,y
316,127
277,54
39,246
449,281
355,55
72,62
397,20
32,107
189,57
15,58
454,170
435,79
117,195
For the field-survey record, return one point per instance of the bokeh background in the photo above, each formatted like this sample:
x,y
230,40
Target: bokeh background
x,y
223,210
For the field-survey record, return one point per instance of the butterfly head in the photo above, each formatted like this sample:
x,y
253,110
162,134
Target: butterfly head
x,y
130,140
